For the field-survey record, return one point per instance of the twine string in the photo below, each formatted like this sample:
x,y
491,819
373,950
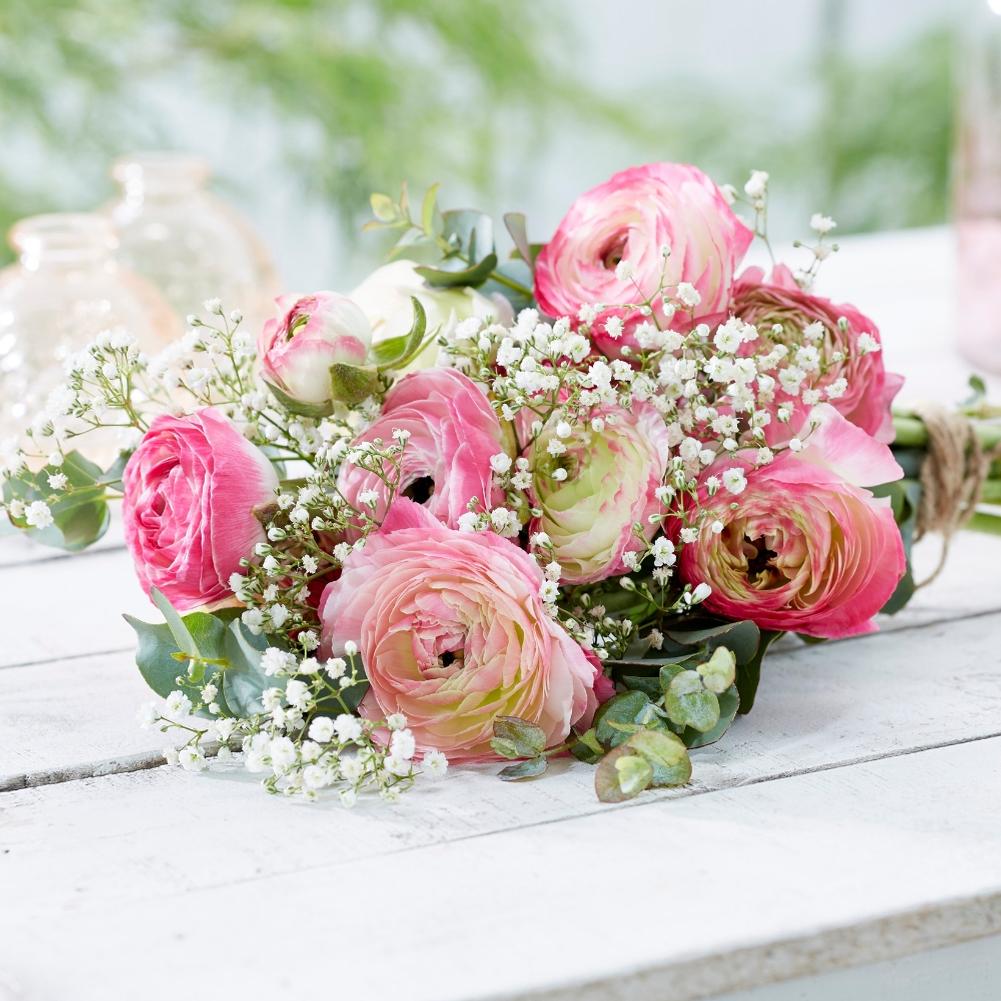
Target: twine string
x,y
952,476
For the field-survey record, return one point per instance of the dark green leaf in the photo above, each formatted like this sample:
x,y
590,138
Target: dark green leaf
x,y
585,747
620,716
525,769
527,739
471,276
749,672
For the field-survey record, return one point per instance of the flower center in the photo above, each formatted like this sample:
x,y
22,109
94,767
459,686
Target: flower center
x,y
760,568
613,253
420,490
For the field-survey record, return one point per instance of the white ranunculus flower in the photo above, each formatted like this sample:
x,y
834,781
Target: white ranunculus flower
x,y
384,297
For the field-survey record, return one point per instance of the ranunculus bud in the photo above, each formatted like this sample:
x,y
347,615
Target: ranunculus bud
x,y
312,332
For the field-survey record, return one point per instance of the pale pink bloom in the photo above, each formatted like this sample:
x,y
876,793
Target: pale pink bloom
x,y
190,490
870,388
311,333
808,549
453,433
631,217
610,485
453,633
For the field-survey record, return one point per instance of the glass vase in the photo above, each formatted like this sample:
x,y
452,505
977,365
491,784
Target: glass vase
x,y
978,186
186,240
65,289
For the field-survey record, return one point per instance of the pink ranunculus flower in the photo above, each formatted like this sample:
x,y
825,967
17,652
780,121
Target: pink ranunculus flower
x,y
805,548
453,434
190,490
610,483
453,633
311,333
846,371
631,217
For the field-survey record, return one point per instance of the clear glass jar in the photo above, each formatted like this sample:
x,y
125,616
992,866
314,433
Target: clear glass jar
x,y
186,240
66,288
978,186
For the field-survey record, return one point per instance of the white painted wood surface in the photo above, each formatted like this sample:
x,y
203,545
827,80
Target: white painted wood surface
x,y
850,820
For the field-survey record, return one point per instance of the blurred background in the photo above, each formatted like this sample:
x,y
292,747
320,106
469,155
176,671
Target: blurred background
x,y
283,115
302,107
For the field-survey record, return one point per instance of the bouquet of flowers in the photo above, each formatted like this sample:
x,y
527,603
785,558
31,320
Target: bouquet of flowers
x,y
486,508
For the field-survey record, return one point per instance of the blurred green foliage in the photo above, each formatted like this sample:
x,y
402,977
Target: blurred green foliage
x,y
366,92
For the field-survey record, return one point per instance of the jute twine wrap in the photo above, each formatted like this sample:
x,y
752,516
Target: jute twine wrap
x,y
952,476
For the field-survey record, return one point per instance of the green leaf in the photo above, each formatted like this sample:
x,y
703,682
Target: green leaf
x,y
649,685
383,207
430,217
293,406
718,673
471,276
668,672
621,716
689,703
351,384
729,703
742,637
749,671
515,223
157,651
527,739
471,232
666,755
525,769
80,514
399,351
244,679
621,774
182,635
585,747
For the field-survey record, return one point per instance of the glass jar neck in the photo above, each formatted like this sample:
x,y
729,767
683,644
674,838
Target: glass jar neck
x,y
160,175
62,239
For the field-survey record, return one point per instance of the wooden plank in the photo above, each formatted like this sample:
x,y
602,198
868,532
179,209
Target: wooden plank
x,y
18,550
136,881
91,592
818,707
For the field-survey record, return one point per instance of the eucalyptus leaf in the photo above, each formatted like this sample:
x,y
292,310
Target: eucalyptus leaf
x,y
516,226
471,232
244,679
431,220
729,703
718,673
472,276
666,754
585,747
527,739
621,716
182,635
80,514
615,782
525,769
689,703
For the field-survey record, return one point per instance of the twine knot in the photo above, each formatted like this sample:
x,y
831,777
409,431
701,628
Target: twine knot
x,y
952,476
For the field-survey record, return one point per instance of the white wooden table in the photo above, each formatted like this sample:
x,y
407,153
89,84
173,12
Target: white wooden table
x,y
840,833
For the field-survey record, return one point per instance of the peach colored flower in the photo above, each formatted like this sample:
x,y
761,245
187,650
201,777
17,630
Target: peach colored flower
x,y
452,632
